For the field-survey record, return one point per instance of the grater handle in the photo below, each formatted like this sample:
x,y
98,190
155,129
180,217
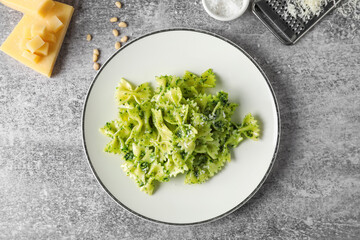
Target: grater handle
x,y
273,22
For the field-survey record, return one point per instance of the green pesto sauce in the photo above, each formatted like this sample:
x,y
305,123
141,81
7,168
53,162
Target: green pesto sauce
x,y
175,129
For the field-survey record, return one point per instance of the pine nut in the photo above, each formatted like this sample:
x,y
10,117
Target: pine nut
x,y
118,4
115,32
124,39
114,19
96,52
117,45
88,37
95,57
96,66
123,24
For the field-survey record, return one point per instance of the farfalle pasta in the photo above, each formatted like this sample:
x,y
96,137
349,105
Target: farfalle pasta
x,y
176,129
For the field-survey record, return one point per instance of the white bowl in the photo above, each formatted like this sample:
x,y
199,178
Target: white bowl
x,y
228,18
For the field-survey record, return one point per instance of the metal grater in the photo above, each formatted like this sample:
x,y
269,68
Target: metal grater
x,y
273,14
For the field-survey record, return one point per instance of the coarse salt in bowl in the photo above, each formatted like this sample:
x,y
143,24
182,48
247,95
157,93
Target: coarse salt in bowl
x,y
225,10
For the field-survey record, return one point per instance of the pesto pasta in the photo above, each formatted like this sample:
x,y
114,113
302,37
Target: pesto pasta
x,y
176,129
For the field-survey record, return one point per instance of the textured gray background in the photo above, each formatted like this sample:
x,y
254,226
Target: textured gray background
x,y
47,190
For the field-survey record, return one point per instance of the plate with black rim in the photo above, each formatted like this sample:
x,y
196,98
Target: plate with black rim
x,y
172,52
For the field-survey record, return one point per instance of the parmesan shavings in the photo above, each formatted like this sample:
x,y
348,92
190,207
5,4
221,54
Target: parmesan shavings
x,y
305,9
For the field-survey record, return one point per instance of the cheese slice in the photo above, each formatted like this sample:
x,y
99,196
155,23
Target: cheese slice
x,y
45,64
54,24
30,56
49,37
43,50
32,7
35,43
38,29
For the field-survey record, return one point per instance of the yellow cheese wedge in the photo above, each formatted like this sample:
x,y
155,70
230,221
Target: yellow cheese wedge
x,y
45,64
35,43
38,29
44,50
30,56
54,24
32,7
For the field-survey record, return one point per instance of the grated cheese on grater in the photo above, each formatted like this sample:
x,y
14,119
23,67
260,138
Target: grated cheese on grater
x,y
305,9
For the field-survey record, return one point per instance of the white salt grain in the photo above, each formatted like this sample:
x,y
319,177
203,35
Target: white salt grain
x,y
224,8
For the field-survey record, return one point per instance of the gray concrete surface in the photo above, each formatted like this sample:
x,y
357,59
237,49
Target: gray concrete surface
x,y
47,190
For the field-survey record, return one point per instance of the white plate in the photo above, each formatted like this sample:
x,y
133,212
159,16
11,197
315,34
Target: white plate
x,y
172,52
